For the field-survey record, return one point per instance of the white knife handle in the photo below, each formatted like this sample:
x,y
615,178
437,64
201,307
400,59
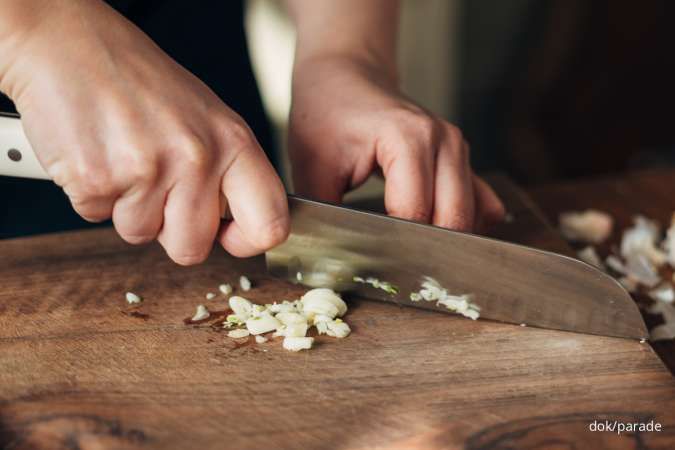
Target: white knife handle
x,y
17,158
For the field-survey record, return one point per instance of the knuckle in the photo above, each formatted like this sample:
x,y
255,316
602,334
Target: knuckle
x,y
421,125
455,133
195,155
92,181
146,169
238,135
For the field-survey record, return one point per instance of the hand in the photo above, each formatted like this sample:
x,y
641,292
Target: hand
x,y
130,134
348,120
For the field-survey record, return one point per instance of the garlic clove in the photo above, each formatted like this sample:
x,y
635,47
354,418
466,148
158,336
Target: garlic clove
x,y
201,313
264,323
237,334
241,307
295,344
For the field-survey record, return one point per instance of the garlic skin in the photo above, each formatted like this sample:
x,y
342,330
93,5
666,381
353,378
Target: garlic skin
x,y
210,295
201,313
295,344
260,339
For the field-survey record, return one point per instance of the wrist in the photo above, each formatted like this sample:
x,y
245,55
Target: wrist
x,y
326,65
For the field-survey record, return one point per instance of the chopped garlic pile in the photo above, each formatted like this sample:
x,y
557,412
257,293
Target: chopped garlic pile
x,y
644,252
589,226
321,308
432,291
642,255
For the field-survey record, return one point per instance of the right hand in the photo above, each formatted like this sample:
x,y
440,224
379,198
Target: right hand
x,y
130,134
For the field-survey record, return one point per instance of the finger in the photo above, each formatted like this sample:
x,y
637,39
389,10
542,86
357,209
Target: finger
x,y
234,240
93,209
311,179
408,187
453,194
489,208
258,205
139,214
191,220
90,202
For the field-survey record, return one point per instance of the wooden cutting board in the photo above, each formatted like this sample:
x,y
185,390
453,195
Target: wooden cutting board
x,y
78,370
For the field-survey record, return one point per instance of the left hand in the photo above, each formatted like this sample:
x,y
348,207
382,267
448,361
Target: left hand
x,y
348,120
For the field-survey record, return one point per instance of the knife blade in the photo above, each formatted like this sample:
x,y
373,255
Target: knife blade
x,y
329,245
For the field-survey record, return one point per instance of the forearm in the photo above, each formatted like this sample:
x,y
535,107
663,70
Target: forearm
x,y
364,31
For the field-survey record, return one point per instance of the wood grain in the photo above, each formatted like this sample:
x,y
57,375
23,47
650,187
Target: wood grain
x,y
78,372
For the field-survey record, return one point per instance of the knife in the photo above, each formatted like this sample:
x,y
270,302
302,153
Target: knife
x,y
330,245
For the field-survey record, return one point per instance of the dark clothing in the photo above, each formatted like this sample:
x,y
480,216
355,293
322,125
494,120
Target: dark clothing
x,y
205,37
